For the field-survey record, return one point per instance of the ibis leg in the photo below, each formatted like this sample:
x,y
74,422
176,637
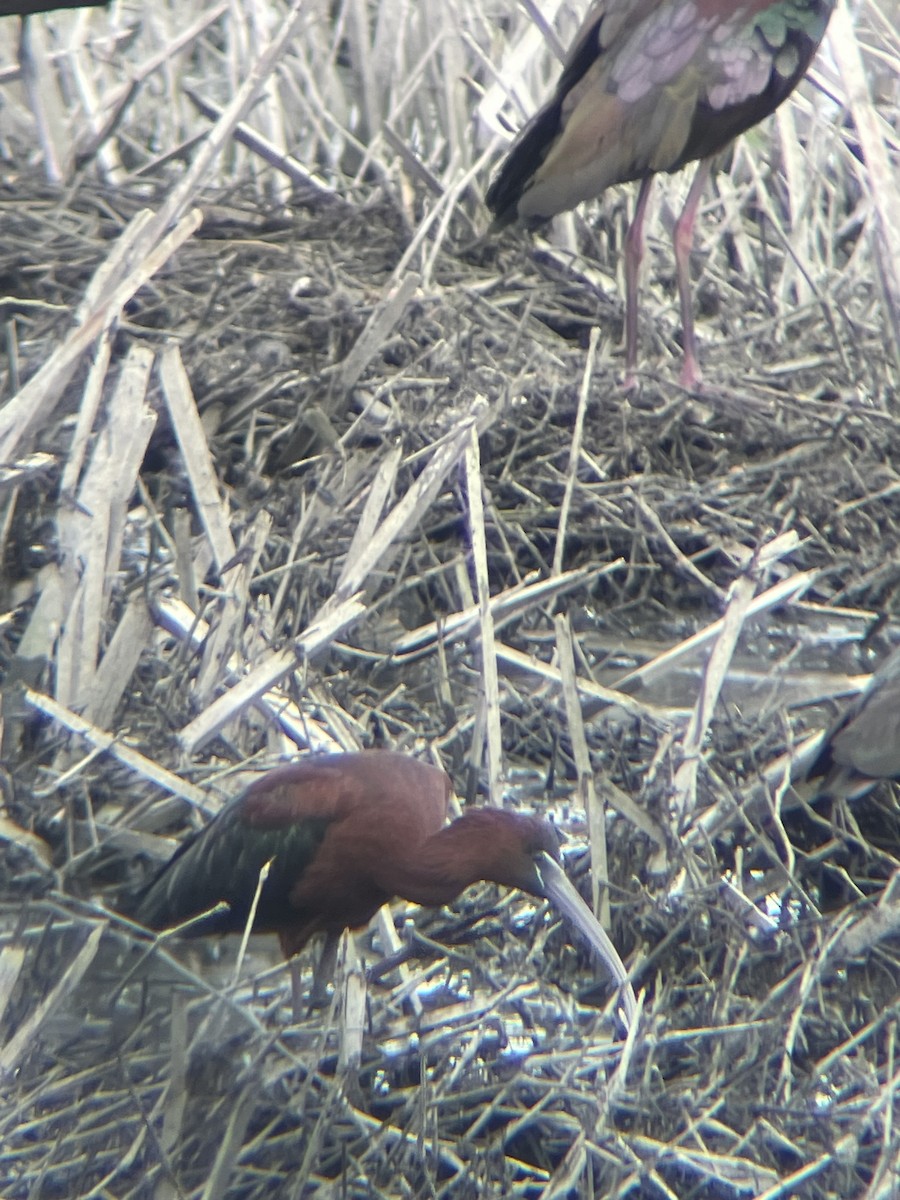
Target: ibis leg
x,y
296,990
634,252
324,972
683,241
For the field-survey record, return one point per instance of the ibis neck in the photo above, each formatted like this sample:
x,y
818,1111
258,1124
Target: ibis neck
x,y
483,844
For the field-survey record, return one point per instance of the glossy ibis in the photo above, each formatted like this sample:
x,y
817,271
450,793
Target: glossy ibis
x,y
648,86
343,834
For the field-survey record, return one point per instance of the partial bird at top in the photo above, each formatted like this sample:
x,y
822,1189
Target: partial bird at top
x,y
28,8
648,86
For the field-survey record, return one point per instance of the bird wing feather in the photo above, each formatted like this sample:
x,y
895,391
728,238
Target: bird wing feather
x,y
222,862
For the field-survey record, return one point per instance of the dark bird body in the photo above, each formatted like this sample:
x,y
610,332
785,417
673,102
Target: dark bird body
x,y
28,8
648,86
343,835
863,744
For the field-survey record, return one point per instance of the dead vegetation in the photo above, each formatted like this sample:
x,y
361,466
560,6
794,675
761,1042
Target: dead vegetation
x,y
293,458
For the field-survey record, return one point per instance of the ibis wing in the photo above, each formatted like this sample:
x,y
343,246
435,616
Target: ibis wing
x,y
222,863
543,133
281,819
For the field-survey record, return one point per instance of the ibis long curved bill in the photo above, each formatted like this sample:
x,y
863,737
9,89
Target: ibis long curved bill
x,y
563,895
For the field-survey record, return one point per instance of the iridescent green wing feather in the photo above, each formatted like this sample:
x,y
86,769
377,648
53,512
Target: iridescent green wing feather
x,y
223,863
